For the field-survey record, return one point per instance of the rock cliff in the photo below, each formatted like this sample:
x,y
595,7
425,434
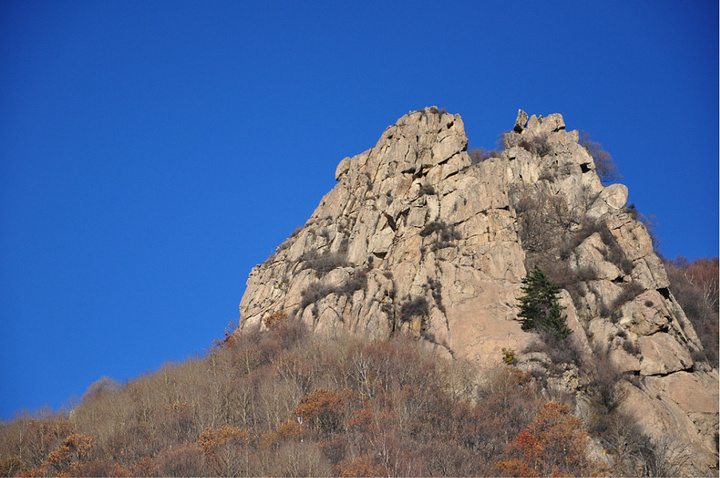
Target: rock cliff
x,y
417,236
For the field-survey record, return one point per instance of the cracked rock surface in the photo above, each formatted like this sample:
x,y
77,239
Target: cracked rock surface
x,y
417,237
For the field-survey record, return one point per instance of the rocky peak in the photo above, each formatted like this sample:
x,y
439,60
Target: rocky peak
x,y
418,237
417,143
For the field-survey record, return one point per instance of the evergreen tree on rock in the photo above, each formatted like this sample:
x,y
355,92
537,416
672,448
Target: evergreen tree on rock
x,y
540,308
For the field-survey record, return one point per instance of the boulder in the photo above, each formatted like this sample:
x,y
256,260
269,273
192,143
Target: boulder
x,y
662,354
521,121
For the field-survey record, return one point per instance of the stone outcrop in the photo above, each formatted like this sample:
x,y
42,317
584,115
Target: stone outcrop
x,y
418,237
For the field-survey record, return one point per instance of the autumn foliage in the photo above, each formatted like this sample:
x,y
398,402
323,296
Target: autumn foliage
x,y
283,402
553,444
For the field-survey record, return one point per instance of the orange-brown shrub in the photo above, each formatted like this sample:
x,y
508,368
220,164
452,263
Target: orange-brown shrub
x,y
554,443
273,320
360,466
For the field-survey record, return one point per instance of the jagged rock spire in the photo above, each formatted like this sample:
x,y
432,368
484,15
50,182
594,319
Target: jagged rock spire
x,y
418,237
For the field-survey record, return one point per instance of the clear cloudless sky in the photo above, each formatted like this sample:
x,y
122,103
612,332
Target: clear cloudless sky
x,y
153,152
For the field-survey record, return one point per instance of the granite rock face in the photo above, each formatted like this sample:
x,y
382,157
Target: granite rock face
x,y
418,237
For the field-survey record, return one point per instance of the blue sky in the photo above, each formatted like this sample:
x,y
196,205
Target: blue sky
x,y
151,153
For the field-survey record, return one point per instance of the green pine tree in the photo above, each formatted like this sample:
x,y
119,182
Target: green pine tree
x,y
540,308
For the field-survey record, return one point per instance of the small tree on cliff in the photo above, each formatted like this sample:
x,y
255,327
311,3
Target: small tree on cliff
x,y
540,308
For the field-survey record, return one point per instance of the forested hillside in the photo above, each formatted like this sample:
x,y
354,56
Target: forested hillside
x,y
285,402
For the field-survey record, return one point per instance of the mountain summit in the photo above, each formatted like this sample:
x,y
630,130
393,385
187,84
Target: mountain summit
x,y
421,237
